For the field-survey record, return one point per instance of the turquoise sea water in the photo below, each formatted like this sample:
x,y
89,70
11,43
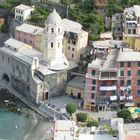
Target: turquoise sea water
x,y
13,126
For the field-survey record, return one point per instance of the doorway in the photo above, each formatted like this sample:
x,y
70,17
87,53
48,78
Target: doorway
x,y
79,95
5,77
46,95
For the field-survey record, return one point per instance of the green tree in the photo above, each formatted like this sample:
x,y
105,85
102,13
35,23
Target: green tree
x,y
111,131
125,114
92,123
81,117
4,28
71,108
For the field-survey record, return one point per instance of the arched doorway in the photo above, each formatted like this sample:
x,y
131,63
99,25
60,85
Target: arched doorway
x,y
5,77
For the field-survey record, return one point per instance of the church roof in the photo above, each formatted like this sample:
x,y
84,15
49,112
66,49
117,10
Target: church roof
x,y
54,18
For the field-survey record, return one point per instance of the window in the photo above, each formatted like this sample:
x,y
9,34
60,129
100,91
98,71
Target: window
x,y
41,86
121,73
69,41
134,31
138,73
121,93
93,72
58,30
52,30
46,29
119,29
114,92
93,82
30,41
129,92
25,40
68,48
129,64
58,44
8,60
2,57
128,73
74,42
129,82
93,88
17,67
92,95
122,64
72,49
138,92
138,64
129,31
103,93
138,82
72,55
122,82
51,45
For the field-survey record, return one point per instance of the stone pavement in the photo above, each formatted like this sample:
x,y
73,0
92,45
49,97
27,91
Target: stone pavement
x,y
62,101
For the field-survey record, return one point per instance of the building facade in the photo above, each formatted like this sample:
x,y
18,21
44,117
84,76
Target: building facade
x,y
32,73
23,12
117,26
75,39
75,87
131,25
113,80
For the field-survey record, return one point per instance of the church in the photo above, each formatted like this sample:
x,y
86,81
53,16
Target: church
x,y
34,74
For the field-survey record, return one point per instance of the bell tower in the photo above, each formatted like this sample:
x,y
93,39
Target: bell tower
x,y
53,37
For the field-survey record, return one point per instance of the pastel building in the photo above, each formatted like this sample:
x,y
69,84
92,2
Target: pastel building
x,y
74,38
33,74
31,35
23,12
131,26
113,80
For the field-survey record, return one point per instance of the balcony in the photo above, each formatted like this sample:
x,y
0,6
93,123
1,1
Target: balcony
x,y
108,76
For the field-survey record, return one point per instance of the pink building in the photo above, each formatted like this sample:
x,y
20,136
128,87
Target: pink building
x,y
30,34
113,79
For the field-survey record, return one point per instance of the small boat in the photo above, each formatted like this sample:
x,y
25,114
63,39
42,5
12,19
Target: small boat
x,y
16,126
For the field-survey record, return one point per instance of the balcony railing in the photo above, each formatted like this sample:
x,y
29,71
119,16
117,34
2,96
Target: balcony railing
x,y
108,78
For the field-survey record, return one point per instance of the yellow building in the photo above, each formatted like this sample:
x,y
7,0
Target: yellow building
x,y
75,87
133,41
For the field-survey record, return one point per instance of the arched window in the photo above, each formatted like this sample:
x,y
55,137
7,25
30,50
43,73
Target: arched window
x,y
51,45
47,29
52,30
58,30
